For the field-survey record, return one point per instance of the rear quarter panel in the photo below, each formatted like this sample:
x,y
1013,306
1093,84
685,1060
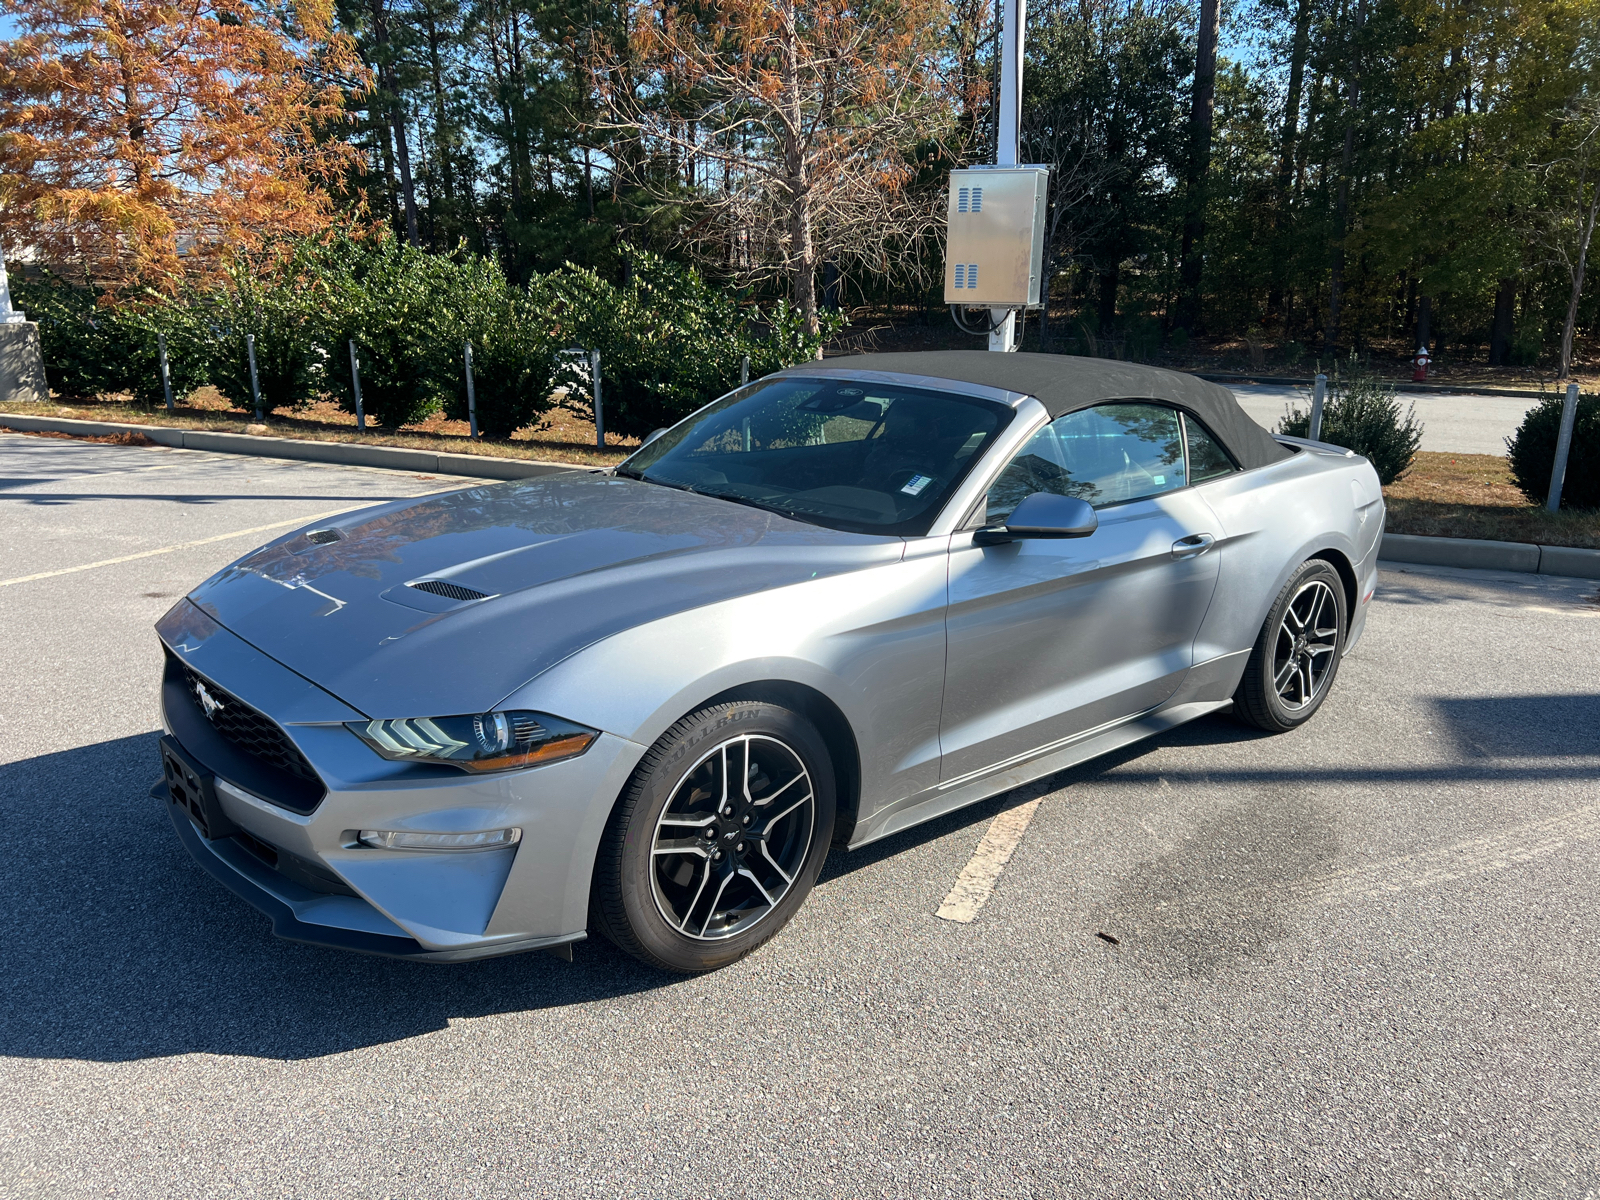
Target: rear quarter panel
x,y
1273,519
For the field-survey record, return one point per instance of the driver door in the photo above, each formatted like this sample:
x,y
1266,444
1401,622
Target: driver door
x,y
1051,639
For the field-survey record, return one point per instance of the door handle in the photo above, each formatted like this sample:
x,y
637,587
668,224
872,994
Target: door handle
x,y
1194,544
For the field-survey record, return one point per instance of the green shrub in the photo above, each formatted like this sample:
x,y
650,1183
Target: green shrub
x,y
69,337
278,302
386,296
97,342
669,342
1362,413
138,323
513,352
1532,452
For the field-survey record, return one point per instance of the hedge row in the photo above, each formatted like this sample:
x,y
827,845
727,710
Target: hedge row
x,y
669,341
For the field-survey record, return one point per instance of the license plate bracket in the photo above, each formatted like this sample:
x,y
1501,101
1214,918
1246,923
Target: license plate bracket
x,y
193,788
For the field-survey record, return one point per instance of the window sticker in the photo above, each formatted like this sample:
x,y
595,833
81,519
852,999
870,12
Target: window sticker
x,y
917,484
1160,480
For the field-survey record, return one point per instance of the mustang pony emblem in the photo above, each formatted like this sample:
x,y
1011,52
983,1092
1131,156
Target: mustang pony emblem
x,y
207,701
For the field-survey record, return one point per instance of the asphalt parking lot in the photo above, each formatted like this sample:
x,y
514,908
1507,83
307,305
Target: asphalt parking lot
x,y
1357,960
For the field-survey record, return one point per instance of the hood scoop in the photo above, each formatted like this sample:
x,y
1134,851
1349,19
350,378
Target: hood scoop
x,y
450,591
434,595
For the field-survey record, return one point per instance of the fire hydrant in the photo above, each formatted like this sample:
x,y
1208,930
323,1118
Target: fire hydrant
x,y
1421,373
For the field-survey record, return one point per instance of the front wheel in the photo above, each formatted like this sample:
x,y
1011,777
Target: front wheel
x,y
1296,655
718,837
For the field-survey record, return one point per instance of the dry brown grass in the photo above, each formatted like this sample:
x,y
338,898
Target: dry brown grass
x,y
1472,496
563,436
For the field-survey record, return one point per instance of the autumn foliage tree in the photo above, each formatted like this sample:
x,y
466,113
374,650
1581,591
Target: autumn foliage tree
x,y
796,121
133,129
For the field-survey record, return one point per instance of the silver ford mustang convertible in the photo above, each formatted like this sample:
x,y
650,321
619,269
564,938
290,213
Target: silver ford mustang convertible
x,y
839,601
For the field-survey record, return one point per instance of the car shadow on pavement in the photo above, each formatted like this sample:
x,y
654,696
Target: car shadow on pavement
x,y
117,946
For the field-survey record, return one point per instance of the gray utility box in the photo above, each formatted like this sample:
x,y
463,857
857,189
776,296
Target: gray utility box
x,y
995,252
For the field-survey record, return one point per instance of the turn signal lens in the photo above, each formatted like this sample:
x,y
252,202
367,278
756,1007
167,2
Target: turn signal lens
x,y
394,839
497,741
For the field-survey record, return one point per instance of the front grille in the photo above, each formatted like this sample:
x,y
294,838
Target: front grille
x,y
248,729
452,591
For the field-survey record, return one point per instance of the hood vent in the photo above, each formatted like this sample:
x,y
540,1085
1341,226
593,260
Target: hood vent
x,y
323,537
450,591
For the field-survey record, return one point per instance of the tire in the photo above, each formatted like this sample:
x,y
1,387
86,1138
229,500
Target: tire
x,y
1296,656
691,876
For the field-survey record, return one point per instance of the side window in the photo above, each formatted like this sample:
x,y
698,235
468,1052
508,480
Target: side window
x,y
1207,458
1104,455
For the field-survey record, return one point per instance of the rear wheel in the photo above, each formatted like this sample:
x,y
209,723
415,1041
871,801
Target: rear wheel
x,y
1296,655
717,838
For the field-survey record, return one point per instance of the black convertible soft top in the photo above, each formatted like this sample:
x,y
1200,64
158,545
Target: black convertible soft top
x,y
1064,383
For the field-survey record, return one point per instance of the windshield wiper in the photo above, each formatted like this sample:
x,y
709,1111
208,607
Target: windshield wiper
x,y
630,473
745,500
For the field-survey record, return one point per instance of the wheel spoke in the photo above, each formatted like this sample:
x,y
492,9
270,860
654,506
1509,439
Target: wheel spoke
x,y
1284,674
715,900
688,912
766,828
680,846
767,854
765,800
686,822
751,876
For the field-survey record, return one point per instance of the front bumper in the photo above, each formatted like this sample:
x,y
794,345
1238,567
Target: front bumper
x,y
316,919
300,864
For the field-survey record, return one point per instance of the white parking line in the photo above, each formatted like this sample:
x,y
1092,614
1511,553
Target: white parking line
x,y
976,882
221,537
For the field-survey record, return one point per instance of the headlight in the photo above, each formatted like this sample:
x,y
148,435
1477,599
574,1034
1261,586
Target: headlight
x,y
498,741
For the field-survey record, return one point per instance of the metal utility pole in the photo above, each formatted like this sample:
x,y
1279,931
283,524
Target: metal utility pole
x,y
1008,142
599,408
472,398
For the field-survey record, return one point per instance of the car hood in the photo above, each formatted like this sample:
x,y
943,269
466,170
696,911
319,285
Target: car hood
x,y
560,562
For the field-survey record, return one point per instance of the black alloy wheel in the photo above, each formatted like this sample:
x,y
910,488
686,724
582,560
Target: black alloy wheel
x,y
1296,656
718,837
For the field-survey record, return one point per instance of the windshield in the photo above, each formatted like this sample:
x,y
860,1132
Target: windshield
x,y
844,453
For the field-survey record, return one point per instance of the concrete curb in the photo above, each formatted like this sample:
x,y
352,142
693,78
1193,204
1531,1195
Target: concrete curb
x,y
1477,554
349,454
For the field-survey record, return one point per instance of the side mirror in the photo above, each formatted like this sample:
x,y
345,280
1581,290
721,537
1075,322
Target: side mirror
x,y
1043,515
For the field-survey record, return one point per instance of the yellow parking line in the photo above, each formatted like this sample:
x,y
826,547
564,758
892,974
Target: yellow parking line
x,y
221,537
977,879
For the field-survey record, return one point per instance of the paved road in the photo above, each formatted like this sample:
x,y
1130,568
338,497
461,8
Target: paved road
x,y
1457,422
1358,960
